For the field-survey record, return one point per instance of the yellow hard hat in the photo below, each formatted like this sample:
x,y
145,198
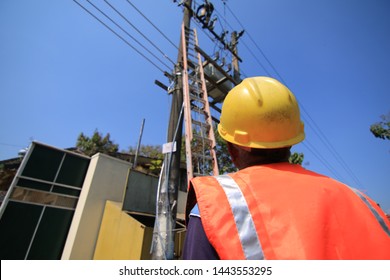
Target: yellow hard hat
x,y
262,113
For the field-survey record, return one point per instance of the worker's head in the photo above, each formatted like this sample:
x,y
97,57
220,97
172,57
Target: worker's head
x,y
261,113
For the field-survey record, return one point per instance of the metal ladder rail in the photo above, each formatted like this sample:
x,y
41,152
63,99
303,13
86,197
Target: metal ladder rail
x,y
199,134
207,161
209,120
187,110
197,141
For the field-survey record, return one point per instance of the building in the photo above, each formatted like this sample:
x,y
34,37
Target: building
x,y
64,205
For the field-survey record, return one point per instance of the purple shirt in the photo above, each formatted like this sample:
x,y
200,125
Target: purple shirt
x,y
196,244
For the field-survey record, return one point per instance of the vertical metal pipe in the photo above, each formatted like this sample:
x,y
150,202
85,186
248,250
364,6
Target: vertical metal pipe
x,y
138,144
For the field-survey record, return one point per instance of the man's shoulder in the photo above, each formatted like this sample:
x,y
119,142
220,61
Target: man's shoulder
x,y
195,211
204,180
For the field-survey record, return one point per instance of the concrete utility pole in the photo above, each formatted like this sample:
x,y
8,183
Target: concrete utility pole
x,y
175,121
163,245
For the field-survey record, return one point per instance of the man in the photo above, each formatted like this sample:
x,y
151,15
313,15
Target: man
x,y
271,209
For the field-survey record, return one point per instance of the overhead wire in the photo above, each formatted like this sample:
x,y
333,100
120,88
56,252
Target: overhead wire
x,y
318,155
333,151
315,127
225,31
127,33
244,43
119,36
139,32
218,43
200,26
253,41
12,145
145,17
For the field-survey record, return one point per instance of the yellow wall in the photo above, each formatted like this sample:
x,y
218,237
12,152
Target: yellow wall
x,y
121,237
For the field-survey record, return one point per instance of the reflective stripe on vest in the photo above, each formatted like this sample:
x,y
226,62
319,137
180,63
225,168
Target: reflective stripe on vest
x,y
243,219
373,211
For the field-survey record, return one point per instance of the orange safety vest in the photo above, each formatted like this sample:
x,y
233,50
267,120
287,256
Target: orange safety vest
x,y
283,211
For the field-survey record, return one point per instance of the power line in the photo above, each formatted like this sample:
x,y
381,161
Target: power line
x,y
127,33
333,151
244,43
316,128
142,34
145,17
119,36
257,46
116,24
315,152
12,145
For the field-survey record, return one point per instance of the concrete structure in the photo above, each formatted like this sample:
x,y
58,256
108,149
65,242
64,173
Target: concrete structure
x,y
63,205
105,180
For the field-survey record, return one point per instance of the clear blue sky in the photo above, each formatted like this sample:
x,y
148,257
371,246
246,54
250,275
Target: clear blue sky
x,y
62,73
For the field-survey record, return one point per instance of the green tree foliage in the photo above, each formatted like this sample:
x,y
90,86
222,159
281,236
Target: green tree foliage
x,y
296,158
225,163
151,151
154,153
382,129
96,144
